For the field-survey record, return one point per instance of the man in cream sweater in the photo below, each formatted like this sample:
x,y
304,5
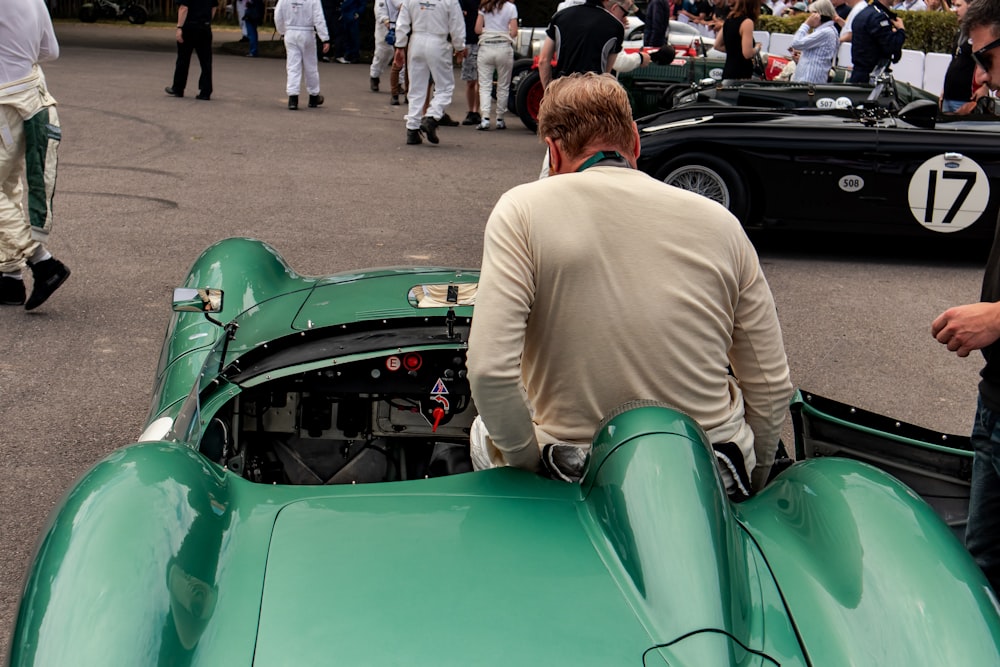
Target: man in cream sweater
x,y
582,307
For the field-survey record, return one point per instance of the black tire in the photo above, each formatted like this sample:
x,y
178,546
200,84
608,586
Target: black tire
x,y
521,68
88,14
529,97
711,177
136,14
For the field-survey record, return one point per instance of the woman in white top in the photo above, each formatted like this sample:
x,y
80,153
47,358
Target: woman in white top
x,y
496,26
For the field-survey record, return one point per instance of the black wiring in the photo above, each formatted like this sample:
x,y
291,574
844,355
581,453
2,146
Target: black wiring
x,y
717,631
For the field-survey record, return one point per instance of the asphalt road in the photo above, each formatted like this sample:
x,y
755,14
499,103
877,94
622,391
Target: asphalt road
x,y
147,181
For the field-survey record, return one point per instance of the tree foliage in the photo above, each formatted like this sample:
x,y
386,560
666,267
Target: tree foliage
x,y
925,31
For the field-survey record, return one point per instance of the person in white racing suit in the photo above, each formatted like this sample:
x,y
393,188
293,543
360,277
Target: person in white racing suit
x,y
296,21
29,138
386,12
422,32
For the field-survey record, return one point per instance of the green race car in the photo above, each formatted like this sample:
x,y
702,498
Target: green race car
x,y
303,495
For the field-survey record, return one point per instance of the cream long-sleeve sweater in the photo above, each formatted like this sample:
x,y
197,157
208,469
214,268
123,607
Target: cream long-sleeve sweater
x,y
607,285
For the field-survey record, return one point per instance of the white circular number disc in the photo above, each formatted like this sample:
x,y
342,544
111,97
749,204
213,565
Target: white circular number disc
x,y
948,194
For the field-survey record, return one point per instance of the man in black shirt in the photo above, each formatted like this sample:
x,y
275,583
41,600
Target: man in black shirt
x,y
194,34
583,38
976,326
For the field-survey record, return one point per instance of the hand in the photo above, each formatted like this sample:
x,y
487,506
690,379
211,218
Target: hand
x,y
966,328
180,36
897,23
399,58
326,47
813,20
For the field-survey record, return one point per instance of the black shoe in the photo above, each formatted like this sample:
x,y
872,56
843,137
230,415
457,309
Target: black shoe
x,y
472,118
49,275
413,137
202,96
244,38
373,84
446,120
293,102
176,93
394,100
315,101
11,291
429,126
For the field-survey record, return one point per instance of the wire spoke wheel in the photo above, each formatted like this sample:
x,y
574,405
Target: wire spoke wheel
x,y
710,176
700,180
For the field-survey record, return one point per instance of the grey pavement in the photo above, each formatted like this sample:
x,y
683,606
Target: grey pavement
x,y
147,181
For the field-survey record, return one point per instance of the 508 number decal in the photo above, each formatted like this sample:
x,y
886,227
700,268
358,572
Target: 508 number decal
x,y
948,193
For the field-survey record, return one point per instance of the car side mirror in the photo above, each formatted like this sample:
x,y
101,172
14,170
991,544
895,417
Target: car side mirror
x,y
921,113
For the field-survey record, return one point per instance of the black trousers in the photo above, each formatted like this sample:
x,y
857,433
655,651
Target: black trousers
x,y
198,40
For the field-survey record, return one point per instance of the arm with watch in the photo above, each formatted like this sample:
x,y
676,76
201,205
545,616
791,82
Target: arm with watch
x,y
182,13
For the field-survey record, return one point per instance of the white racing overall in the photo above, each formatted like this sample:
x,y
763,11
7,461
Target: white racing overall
x,y
423,28
297,20
29,138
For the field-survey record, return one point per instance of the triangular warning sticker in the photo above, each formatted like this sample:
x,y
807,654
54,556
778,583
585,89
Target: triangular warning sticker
x,y
439,387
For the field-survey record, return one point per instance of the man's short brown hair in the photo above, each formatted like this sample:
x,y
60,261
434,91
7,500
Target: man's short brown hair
x,y
982,13
580,110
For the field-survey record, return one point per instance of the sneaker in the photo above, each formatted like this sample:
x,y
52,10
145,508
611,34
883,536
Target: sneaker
x,y
472,118
49,274
315,101
429,126
394,100
373,84
500,124
484,125
447,121
413,137
11,291
293,102
344,61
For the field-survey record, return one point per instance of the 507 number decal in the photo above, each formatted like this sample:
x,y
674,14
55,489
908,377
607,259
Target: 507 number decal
x,y
948,193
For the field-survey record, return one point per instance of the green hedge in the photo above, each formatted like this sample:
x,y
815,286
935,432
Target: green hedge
x,y
925,31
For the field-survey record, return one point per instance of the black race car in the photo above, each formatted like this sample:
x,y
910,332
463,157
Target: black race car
x,y
868,167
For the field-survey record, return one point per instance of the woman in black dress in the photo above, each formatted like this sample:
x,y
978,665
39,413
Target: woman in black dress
x,y
736,39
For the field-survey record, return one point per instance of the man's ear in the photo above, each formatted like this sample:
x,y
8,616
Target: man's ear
x,y
555,156
635,134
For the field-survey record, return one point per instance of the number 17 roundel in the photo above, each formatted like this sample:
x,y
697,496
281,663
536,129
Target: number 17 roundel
x,y
948,193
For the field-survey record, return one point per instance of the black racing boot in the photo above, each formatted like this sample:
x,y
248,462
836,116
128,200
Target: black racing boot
x,y
293,102
49,274
315,101
413,137
11,291
429,126
373,84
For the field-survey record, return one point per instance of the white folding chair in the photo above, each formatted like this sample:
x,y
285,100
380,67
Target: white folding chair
x,y
780,43
910,67
935,66
763,38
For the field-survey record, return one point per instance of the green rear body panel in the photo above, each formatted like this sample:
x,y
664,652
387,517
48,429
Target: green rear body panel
x,y
159,557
